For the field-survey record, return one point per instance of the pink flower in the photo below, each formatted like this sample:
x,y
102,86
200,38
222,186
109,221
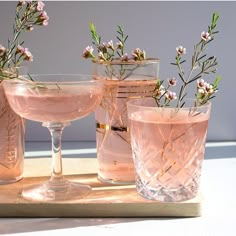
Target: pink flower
x,y
124,57
21,3
101,56
25,53
181,50
20,49
160,91
172,81
205,88
110,45
138,54
28,55
43,18
209,88
201,91
30,27
40,6
119,45
2,50
205,36
45,22
88,52
170,95
200,83
103,47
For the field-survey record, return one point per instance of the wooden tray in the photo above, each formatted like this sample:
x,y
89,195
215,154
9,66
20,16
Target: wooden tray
x,y
104,201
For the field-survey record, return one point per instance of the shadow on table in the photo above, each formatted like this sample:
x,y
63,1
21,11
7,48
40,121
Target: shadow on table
x,y
27,225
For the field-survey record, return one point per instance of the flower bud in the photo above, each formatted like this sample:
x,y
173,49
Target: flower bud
x,y
2,50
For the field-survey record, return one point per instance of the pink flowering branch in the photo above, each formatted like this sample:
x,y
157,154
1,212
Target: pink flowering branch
x,y
28,15
107,51
201,65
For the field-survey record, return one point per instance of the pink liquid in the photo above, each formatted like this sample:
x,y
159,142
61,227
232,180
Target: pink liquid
x,y
66,104
168,154
115,162
11,143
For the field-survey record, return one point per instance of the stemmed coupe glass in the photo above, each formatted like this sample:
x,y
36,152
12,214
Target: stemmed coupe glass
x,y
54,100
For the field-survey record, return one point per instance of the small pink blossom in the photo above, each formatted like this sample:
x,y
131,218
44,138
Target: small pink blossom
x,y
21,3
201,83
170,95
88,52
124,57
20,49
205,88
110,45
181,50
30,27
103,47
43,18
40,6
205,36
25,53
209,88
119,45
28,55
201,91
138,54
101,56
2,50
172,81
45,23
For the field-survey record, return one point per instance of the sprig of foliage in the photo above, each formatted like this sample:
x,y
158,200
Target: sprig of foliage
x,y
27,15
108,51
201,65
96,38
122,40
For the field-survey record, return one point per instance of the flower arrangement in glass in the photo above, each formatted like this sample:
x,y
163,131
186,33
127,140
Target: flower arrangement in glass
x,y
12,127
125,77
168,131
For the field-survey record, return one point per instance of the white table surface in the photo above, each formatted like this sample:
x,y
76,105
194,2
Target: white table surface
x,y
218,217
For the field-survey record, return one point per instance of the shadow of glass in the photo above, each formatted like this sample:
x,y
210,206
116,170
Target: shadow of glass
x,y
26,225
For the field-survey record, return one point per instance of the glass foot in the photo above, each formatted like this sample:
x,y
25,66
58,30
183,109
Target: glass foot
x,y
56,191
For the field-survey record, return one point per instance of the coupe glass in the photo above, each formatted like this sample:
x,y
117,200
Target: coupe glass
x,y
56,103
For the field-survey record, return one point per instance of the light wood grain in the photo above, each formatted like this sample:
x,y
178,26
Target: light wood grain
x,y
103,201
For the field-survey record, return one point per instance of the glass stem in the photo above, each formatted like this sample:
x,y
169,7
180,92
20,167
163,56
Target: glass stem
x,y
56,130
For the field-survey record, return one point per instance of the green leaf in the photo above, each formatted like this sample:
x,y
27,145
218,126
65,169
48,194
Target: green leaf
x,y
92,27
181,77
120,29
216,82
182,62
118,38
201,57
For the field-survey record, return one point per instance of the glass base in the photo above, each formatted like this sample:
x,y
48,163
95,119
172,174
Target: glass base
x,y
10,181
165,195
56,191
114,182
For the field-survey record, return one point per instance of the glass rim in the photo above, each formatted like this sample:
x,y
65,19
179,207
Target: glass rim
x,y
82,78
132,103
117,61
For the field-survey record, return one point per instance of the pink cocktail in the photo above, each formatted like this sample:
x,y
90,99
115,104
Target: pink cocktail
x,y
115,163
55,104
168,149
124,81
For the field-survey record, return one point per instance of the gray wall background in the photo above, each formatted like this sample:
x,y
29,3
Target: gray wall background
x,y
158,27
